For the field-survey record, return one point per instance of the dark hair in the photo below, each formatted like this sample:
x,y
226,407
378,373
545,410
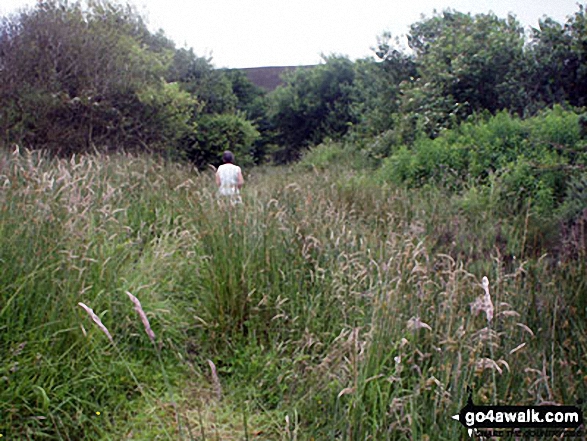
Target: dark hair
x,y
228,157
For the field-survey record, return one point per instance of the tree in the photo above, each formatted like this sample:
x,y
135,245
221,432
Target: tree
x,y
465,64
377,86
556,62
576,27
219,132
549,57
74,77
314,103
247,94
209,86
253,104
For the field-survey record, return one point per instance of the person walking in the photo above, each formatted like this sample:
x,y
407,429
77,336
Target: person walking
x,y
229,178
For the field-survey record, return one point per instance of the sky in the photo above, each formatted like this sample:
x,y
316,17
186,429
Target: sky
x,y
253,33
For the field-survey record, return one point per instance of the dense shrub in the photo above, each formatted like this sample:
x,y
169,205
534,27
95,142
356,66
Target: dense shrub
x,y
330,154
77,77
219,132
531,160
313,105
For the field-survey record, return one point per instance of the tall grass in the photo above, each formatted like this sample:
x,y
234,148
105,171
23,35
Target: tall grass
x,y
360,315
330,307
85,230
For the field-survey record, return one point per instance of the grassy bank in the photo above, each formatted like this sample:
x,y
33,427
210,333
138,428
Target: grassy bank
x,y
330,306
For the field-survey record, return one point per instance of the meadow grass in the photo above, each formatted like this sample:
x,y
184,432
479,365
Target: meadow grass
x,y
329,306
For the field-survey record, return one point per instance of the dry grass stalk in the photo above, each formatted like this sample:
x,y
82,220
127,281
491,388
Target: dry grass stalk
x,y
487,363
525,328
97,320
215,380
415,323
487,336
346,391
143,316
517,348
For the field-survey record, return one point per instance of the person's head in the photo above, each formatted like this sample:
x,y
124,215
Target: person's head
x,y
228,157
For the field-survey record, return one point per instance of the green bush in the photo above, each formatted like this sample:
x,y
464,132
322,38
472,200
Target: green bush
x,y
533,159
219,132
329,154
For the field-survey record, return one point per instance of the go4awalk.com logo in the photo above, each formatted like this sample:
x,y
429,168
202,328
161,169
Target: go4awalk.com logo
x,y
532,421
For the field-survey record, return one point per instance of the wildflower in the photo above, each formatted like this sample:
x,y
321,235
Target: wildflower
x,y
97,321
143,316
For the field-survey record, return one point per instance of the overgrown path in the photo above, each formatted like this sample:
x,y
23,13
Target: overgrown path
x,y
330,307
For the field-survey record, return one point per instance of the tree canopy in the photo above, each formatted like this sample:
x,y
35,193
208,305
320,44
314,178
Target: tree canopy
x,y
75,77
79,76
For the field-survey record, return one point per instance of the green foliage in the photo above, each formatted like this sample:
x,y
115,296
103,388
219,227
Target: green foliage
x,y
322,294
575,201
87,65
533,159
219,132
331,155
82,77
551,54
556,61
331,290
67,237
376,88
247,94
465,64
167,114
196,75
322,156
314,104
253,103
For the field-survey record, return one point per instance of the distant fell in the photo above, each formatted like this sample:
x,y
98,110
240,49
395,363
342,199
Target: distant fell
x,y
270,77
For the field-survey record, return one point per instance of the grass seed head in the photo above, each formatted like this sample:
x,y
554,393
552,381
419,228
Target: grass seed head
x,y
415,323
143,316
215,379
97,320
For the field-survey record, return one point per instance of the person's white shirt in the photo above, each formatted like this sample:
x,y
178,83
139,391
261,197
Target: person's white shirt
x,y
229,178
